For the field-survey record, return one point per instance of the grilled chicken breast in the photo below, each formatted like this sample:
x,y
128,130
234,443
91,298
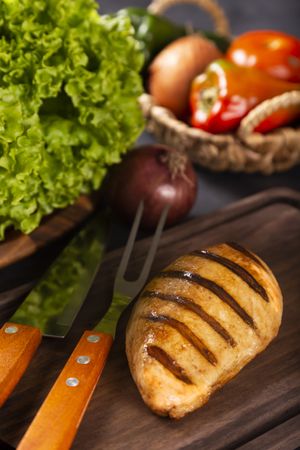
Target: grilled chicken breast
x,y
197,323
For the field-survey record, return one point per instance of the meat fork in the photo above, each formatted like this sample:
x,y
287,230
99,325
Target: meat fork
x,y
68,399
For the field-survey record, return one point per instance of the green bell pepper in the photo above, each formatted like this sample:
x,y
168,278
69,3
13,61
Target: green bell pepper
x,y
155,32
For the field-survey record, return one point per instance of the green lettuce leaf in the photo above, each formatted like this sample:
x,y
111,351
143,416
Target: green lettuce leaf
x,y
69,88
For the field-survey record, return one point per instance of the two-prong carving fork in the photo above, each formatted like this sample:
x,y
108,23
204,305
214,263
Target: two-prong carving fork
x,y
57,421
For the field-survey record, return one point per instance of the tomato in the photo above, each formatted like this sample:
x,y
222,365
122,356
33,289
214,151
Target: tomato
x,y
274,52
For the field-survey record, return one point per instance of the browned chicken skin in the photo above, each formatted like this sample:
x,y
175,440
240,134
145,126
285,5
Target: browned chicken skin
x,y
197,323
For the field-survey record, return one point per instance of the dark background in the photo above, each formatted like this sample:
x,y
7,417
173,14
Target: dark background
x,y
243,15
219,189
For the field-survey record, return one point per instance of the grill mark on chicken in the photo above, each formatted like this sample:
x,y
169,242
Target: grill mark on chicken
x,y
214,288
235,268
188,334
197,309
245,252
169,363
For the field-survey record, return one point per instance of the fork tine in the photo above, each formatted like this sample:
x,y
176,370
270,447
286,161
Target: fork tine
x,y
125,291
130,242
151,253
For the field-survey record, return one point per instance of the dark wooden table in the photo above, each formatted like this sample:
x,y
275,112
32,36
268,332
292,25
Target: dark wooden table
x,y
259,409
215,190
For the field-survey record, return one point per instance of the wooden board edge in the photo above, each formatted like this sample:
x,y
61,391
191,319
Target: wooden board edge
x,y
19,246
230,212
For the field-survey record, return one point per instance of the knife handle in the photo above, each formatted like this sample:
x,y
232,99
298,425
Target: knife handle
x,y
57,421
18,344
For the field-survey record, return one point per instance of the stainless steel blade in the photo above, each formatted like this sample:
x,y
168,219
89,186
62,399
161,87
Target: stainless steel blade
x,y
53,304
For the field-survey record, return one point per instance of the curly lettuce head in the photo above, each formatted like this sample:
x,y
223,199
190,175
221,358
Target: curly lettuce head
x,y
69,84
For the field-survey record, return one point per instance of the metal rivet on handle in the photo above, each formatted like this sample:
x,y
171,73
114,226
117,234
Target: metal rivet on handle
x,y
72,382
11,330
83,359
93,338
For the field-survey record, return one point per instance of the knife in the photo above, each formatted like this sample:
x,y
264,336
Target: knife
x,y
52,306
57,421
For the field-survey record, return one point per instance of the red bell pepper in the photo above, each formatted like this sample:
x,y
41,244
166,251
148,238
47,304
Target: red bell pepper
x,y
225,93
274,52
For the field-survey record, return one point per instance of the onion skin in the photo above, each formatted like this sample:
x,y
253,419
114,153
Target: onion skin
x,y
173,70
143,175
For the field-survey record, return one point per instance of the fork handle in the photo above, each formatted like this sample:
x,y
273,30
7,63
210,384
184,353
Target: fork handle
x,y
57,421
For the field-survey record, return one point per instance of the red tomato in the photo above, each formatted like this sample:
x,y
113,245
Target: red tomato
x,y
274,52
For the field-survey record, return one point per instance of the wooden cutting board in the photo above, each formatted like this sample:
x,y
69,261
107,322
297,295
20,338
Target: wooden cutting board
x,y
259,409
17,245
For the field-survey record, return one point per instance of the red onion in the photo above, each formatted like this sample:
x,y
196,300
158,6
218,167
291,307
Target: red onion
x,y
157,174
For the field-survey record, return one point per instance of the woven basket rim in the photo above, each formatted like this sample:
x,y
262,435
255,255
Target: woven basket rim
x,y
243,150
147,100
275,151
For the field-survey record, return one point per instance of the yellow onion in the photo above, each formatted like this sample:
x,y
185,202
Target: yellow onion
x,y
174,68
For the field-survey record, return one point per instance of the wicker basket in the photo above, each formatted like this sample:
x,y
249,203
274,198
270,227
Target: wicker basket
x,y
242,151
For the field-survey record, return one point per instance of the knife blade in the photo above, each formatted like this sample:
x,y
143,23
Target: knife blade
x,y
52,306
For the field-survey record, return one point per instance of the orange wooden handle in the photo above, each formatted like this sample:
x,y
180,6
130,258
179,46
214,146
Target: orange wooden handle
x,y
56,423
18,344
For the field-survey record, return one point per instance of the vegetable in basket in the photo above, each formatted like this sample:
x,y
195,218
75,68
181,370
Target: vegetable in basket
x,y
156,32
69,88
174,68
225,93
274,52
